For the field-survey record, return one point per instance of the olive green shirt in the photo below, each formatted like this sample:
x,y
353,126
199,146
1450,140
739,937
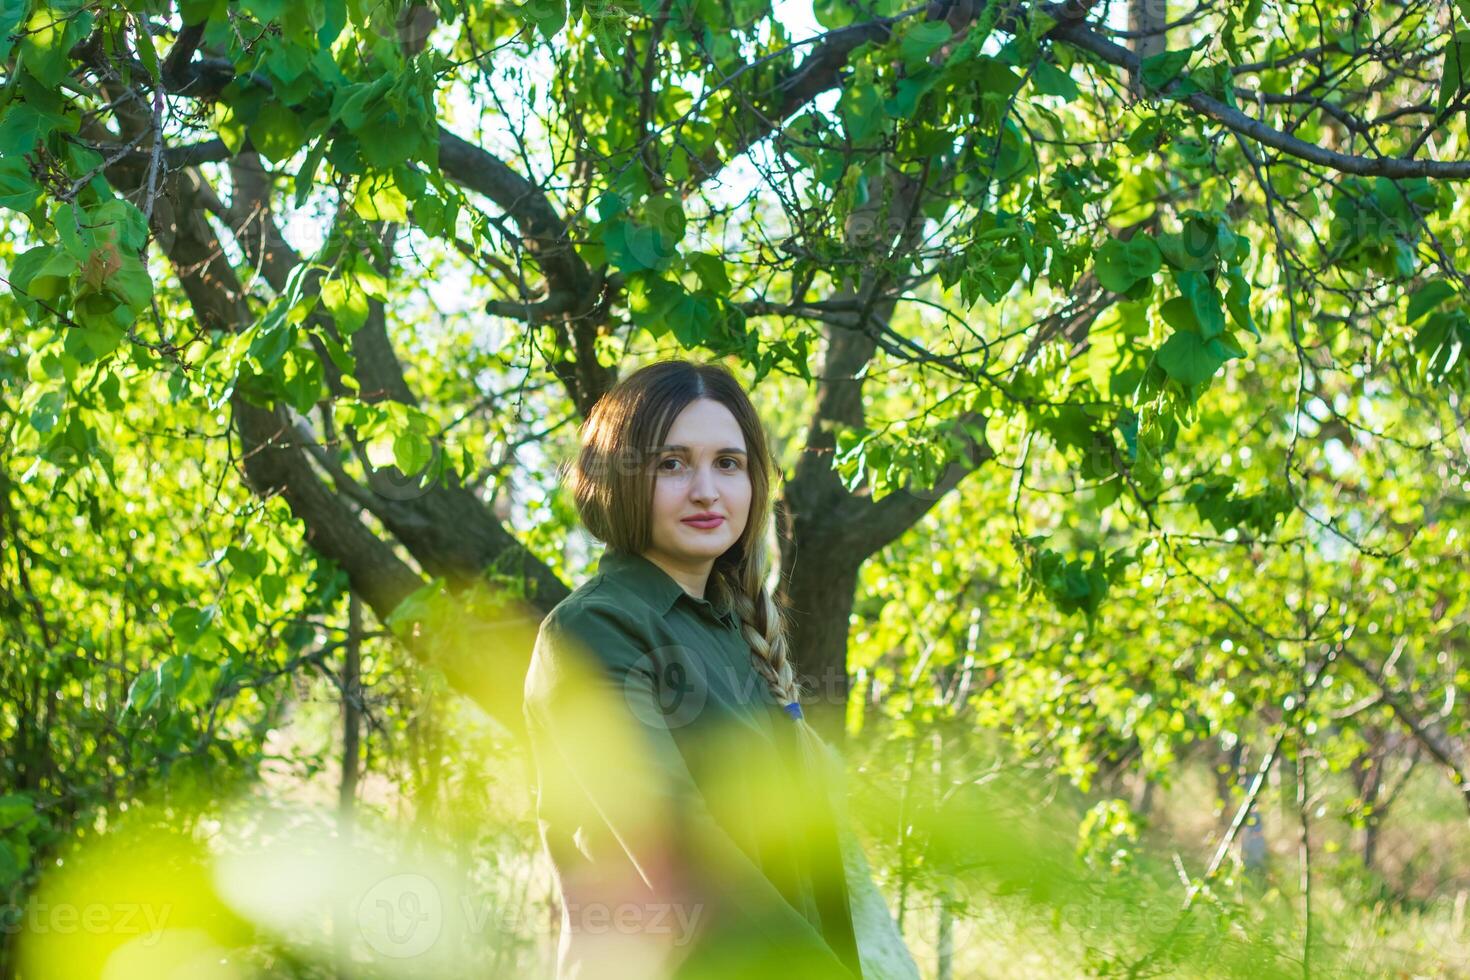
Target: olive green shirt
x,y
669,776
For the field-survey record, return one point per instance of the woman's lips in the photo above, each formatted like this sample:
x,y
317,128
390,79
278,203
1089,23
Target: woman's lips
x,y
706,524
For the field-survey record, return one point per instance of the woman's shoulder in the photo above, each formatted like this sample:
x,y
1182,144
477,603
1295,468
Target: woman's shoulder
x,y
589,639
600,618
602,600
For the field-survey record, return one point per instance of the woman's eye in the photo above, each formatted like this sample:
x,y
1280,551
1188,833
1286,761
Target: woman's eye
x,y
663,463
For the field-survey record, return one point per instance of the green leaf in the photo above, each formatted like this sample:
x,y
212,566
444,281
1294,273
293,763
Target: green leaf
x,y
379,199
303,382
23,125
663,216
411,451
346,302
1072,585
1212,500
1227,345
609,205
306,176
1179,314
711,271
993,77
1121,265
1145,136
287,62
1069,426
15,808
120,221
428,215
229,126
1205,301
341,357
861,108
352,104
47,41
18,191
271,344
334,18
265,11
1443,338
833,14
1189,359
547,15
96,334
189,624
148,55
247,562
48,410
11,12
1232,248
1456,72
276,132
188,677
1159,70
40,277
199,11
695,320
629,247
660,304
910,89
142,693
921,40
1048,79
131,284
1427,299
1237,300
1187,249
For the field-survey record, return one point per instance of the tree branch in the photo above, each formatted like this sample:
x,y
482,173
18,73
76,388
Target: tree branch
x,y
1080,36
176,64
1421,734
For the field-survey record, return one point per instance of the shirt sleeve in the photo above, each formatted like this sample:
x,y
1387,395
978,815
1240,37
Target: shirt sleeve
x,y
601,738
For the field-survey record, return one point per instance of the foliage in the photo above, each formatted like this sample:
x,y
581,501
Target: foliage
x,y
1139,406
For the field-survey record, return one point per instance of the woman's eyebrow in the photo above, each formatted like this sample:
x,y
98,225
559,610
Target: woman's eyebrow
x,y
685,449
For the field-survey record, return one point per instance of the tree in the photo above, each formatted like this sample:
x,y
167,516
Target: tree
x,y
981,191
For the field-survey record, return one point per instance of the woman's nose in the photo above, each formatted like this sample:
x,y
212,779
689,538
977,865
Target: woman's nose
x,y
703,486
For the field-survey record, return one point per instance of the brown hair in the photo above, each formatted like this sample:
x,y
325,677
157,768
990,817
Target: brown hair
x,y
612,478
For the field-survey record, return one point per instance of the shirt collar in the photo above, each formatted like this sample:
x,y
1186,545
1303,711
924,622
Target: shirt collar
x,y
645,576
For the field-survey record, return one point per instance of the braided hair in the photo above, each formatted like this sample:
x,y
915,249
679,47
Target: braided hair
x,y
763,627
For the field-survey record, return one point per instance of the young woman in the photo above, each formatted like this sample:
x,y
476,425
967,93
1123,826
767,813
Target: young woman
x,y
690,833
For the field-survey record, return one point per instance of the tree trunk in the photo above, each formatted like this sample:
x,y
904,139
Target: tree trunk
x,y
1146,20
347,787
819,599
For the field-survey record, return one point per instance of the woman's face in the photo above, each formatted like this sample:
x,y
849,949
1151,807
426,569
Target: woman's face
x,y
702,468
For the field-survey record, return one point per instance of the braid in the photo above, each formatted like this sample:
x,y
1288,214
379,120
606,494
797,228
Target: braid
x,y
762,625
